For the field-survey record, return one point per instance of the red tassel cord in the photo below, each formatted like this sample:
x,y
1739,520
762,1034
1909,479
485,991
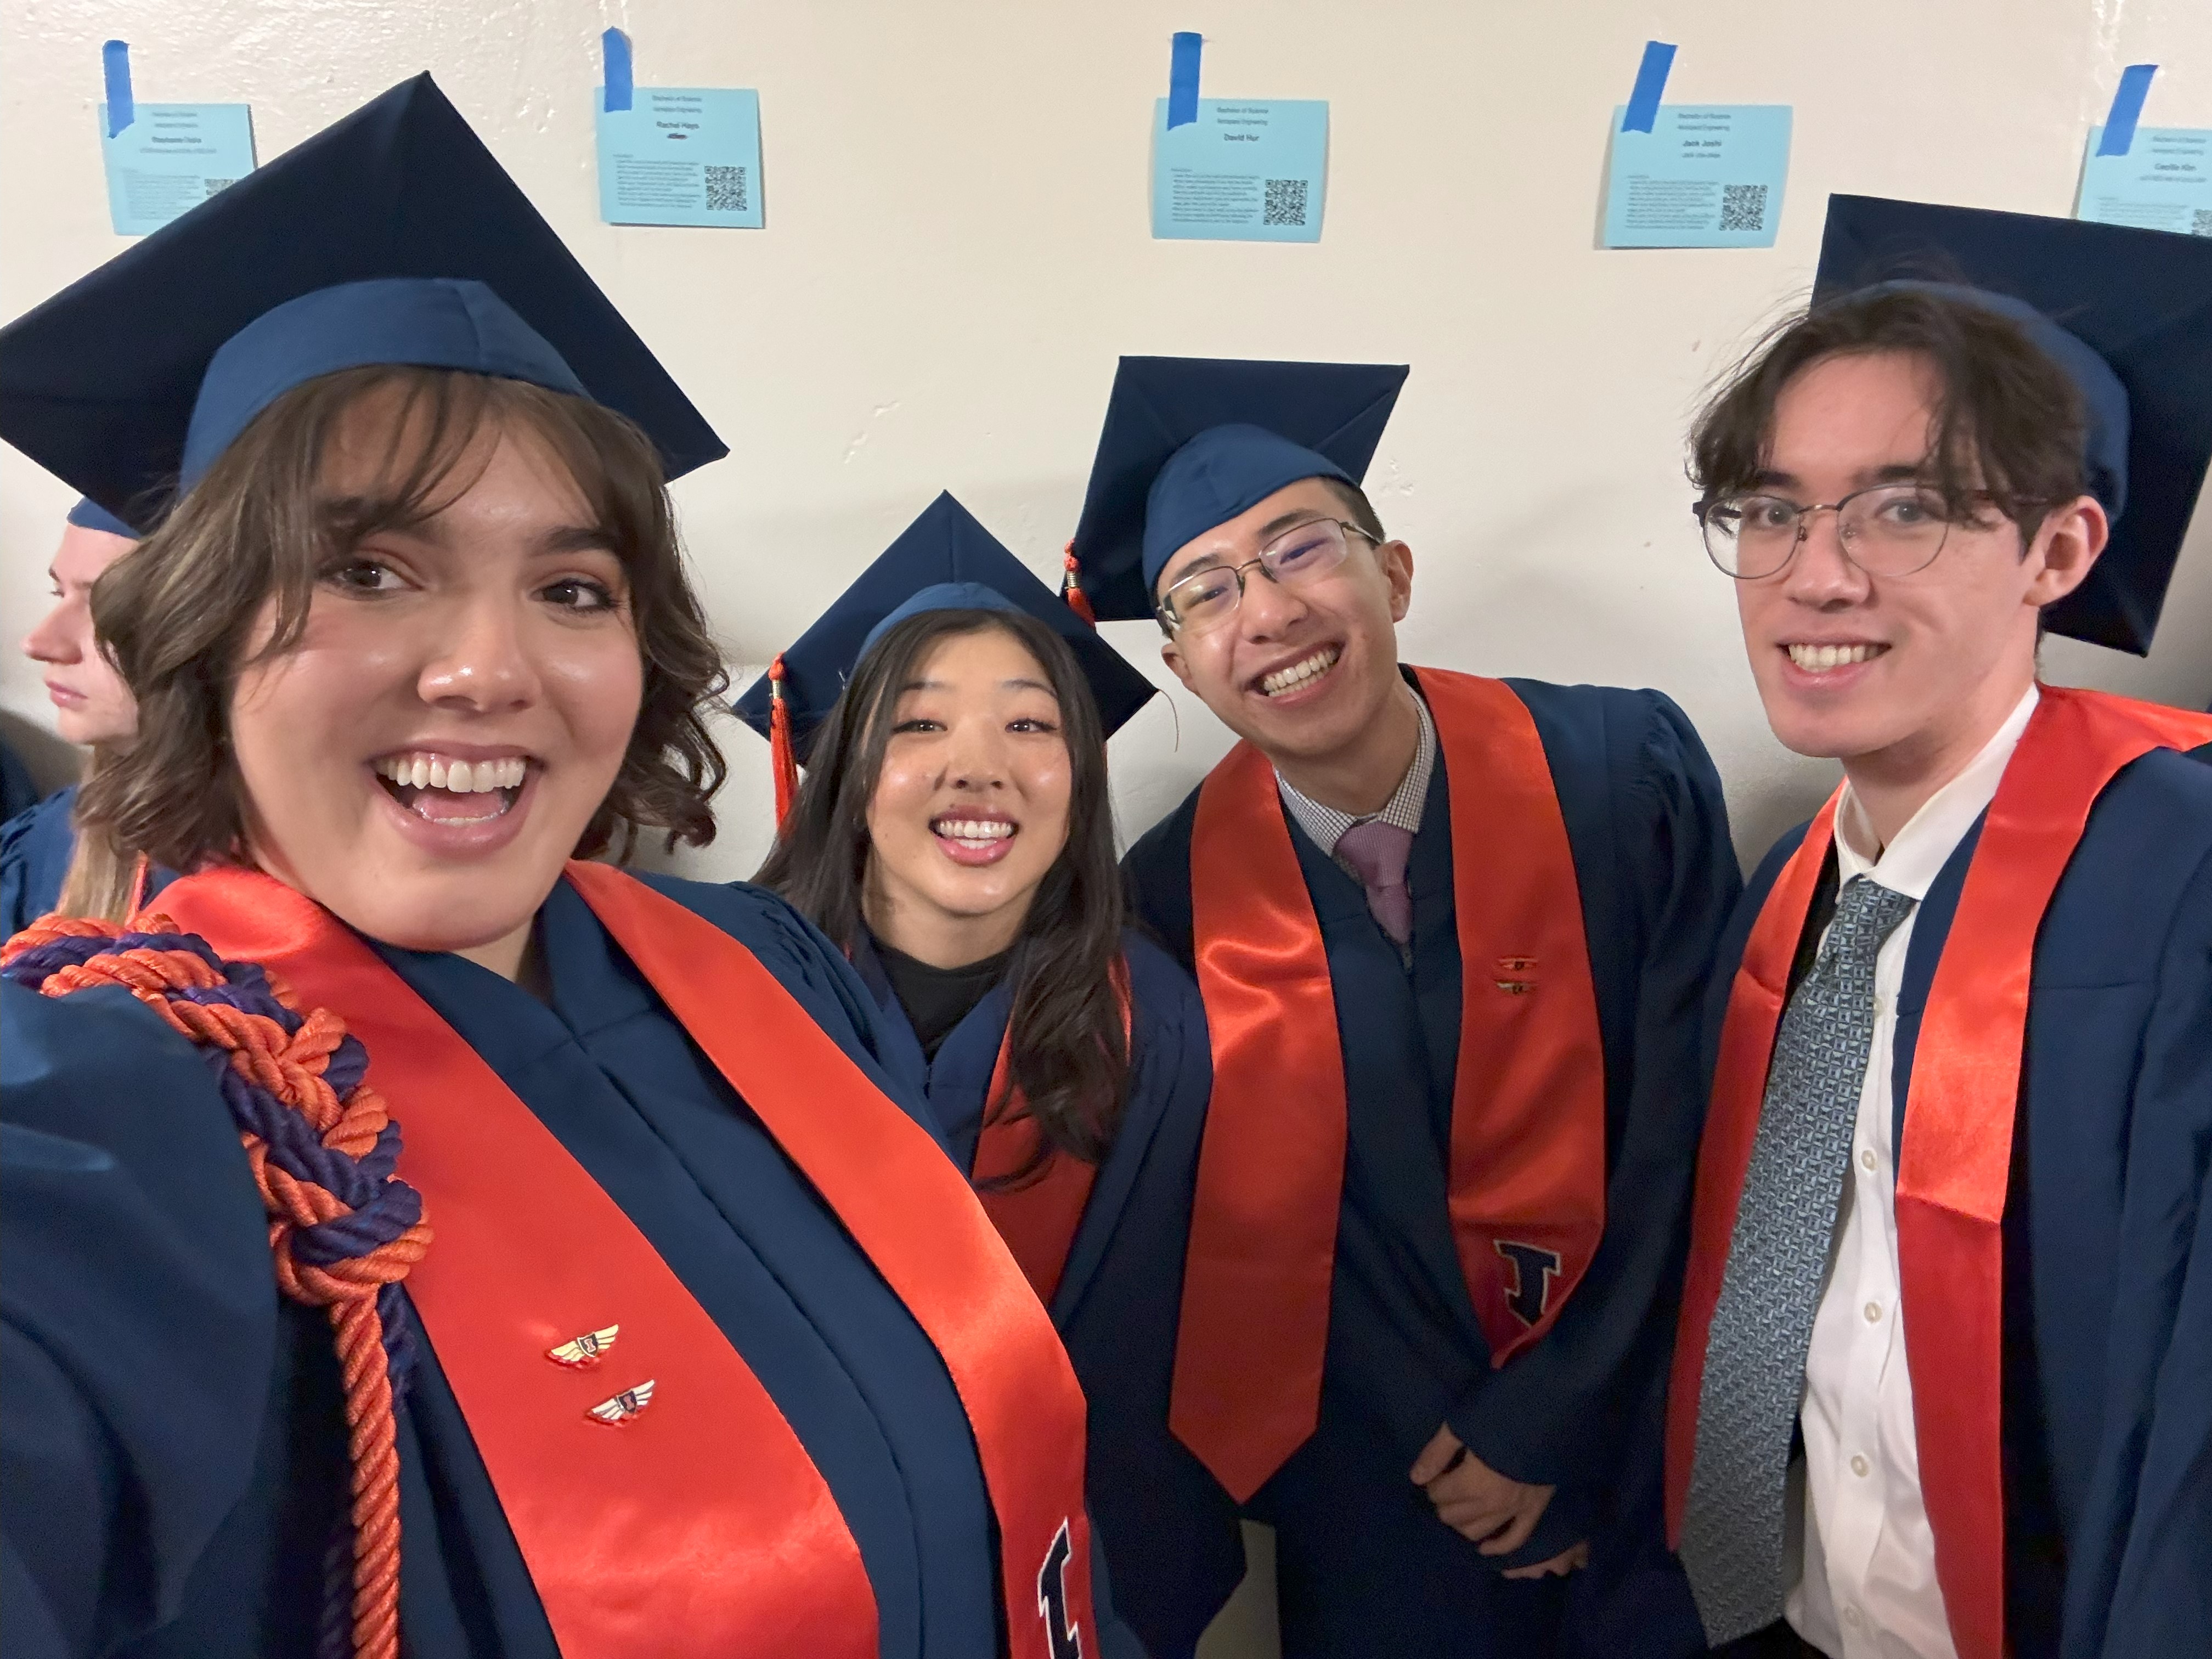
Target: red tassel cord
x,y
779,744
1071,587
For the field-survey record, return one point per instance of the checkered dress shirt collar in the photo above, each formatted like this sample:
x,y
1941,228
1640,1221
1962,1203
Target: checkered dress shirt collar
x,y
1326,825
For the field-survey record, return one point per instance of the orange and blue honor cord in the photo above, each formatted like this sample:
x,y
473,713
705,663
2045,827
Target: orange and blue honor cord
x,y
344,1228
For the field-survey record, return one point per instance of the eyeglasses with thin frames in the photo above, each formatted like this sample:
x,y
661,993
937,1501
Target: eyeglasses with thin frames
x,y
1207,597
1886,530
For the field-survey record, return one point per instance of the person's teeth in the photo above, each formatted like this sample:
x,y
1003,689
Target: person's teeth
x,y
964,829
435,772
1299,673
1818,659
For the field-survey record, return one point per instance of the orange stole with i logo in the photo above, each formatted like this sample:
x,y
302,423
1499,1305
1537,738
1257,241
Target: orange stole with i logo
x,y
1526,1176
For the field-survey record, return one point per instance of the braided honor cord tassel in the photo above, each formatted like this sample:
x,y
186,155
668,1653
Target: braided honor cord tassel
x,y
344,1229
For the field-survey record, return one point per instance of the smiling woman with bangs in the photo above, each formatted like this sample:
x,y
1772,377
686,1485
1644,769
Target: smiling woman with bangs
x,y
621,1304
955,835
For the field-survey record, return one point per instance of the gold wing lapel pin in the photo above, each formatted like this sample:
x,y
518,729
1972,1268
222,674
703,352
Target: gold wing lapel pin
x,y
581,1352
626,1404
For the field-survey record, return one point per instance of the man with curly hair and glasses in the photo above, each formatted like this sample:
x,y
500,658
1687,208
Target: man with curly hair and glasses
x,y
1942,1383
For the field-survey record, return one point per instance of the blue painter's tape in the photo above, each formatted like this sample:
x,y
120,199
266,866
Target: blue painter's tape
x,y
2127,109
1651,86
115,67
1182,80
614,48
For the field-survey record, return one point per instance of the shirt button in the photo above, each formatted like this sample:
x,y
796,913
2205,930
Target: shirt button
x,y
1868,1160
1860,1466
1872,1310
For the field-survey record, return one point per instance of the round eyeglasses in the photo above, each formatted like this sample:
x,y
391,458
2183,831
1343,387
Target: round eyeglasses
x,y
1205,598
1890,530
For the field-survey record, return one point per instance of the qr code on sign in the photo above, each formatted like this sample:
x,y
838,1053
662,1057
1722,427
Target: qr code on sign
x,y
726,190
214,186
2201,225
1743,207
1286,202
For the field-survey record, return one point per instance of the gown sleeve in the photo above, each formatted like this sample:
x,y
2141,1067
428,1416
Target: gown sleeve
x,y
35,847
1558,1413
2164,1586
138,1320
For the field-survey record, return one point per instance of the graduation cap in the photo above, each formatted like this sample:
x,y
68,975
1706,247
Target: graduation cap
x,y
2127,313
89,514
390,237
1191,442
944,560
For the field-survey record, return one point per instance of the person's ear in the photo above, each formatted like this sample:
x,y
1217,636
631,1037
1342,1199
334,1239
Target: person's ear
x,y
1172,654
1397,562
2066,548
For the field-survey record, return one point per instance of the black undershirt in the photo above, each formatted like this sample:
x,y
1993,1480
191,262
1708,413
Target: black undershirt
x,y
937,999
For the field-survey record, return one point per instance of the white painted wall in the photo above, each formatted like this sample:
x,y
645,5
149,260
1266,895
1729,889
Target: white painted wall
x,y
957,250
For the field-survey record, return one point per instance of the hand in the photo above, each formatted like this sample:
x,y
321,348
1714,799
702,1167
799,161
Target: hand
x,y
1492,1510
1558,1566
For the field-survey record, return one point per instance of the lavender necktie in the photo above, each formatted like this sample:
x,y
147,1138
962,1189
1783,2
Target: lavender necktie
x,y
1377,852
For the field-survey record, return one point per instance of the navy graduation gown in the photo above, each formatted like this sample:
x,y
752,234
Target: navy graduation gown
x,y
2107,1317
1364,1562
629,1097
35,848
1168,1531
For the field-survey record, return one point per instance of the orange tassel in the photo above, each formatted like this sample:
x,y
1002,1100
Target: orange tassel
x,y
779,746
1071,587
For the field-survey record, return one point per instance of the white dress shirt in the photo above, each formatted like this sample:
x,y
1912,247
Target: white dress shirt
x,y
1867,1588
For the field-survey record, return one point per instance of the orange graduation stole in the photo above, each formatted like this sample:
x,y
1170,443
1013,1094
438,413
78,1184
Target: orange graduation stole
x,y
660,1499
1527,1177
1957,1155
1038,1218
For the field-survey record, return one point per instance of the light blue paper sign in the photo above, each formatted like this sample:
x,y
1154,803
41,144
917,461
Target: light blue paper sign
x,y
681,156
1706,175
2163,183
1244,171
170,158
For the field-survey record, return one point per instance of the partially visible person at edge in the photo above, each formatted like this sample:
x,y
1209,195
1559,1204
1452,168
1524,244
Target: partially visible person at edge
x,y
1452,935
663,1321
955,836
40,857
1944,1384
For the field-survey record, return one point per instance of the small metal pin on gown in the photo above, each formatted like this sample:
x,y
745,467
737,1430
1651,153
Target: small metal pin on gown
x,y
582,1352
623,1408
1515,986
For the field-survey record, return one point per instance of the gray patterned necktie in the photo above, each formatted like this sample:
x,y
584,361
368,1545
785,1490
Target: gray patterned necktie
x,y
1754,1380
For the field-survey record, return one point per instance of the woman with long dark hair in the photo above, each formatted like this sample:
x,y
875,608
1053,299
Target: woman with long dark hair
x,y
954,835
419,1234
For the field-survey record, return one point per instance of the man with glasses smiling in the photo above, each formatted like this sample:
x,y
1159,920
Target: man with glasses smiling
x,y
1452,936
1943,1380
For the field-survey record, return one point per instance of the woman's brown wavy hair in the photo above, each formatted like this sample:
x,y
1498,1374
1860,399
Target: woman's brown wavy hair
x,y
177,612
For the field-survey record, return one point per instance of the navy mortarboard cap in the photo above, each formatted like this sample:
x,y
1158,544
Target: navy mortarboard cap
x,y
944,560
89,514
1191,442
393,236
2127,313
